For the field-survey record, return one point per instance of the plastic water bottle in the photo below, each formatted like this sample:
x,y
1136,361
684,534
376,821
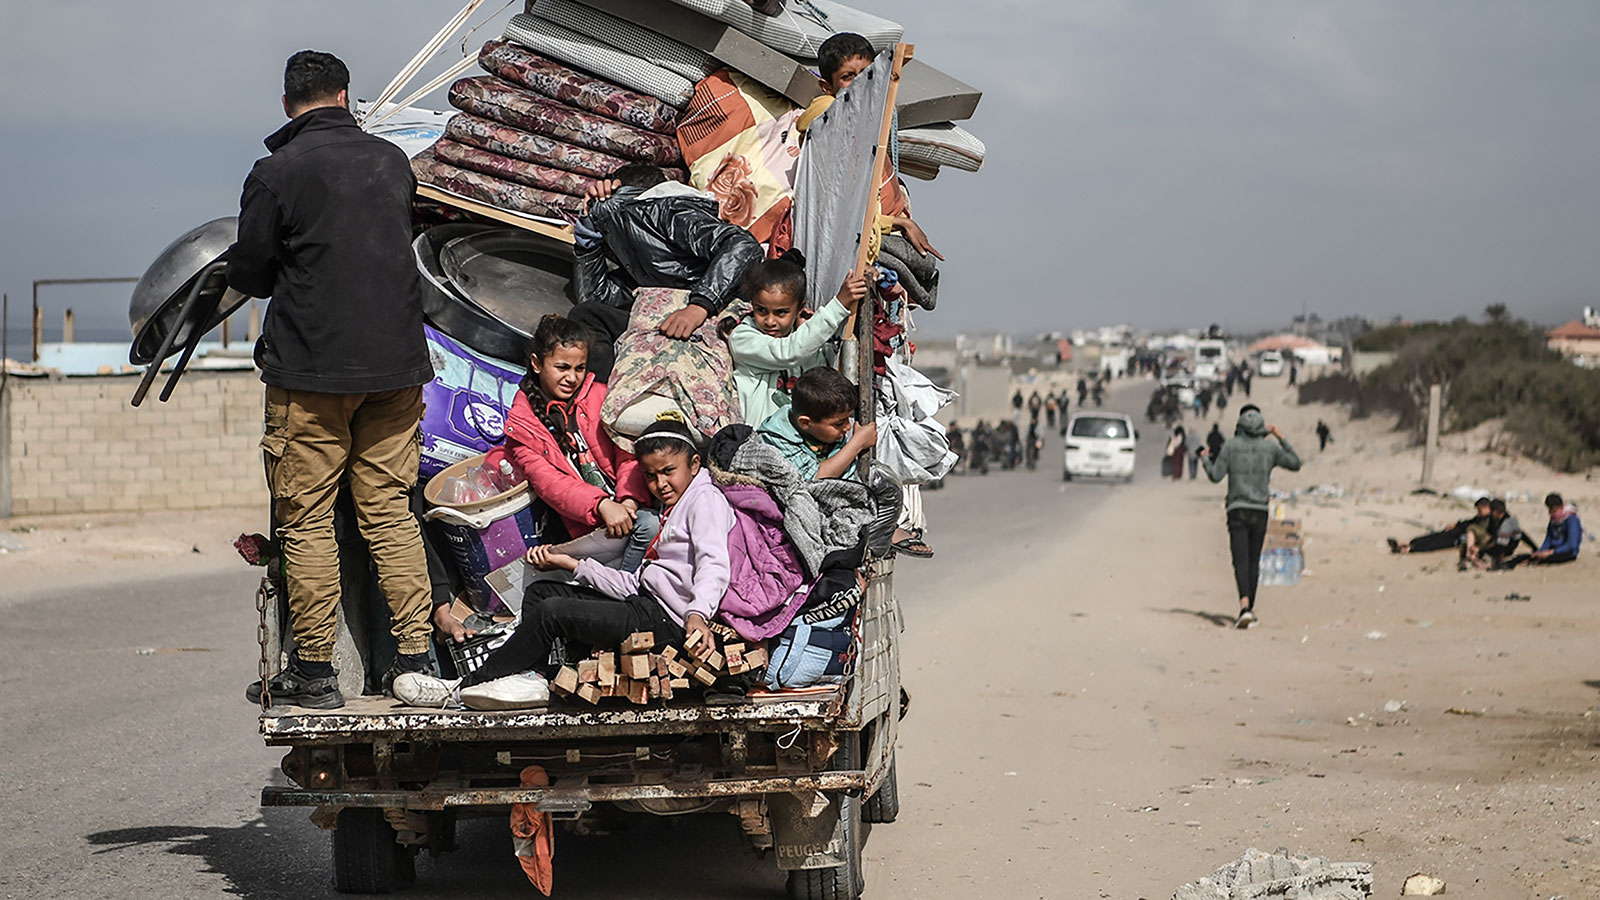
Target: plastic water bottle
x,y
510,476
1297,564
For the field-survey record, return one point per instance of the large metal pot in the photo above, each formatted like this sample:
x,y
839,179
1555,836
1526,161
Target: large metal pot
x,y
159,296
488,287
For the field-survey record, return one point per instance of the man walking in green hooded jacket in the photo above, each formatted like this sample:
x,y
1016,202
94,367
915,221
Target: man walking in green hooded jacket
x,y
1247,459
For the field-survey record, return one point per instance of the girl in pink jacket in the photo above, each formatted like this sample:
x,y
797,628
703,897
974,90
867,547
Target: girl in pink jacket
x,y
676,593
555,439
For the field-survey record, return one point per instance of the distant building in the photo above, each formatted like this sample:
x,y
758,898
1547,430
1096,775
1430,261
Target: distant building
x,y
1577,341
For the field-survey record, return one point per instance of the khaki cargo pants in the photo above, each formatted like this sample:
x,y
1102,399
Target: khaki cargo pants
x,y
312,442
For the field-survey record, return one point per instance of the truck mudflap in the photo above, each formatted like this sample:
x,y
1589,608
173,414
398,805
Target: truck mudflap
x,y
808,830
560,799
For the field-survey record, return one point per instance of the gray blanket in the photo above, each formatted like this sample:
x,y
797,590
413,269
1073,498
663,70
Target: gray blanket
x,y
820,517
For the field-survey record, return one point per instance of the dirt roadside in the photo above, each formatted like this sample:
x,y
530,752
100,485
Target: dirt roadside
x,y
1088,726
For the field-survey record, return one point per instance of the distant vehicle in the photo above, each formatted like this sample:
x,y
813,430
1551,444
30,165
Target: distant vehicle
x,y
1270,365
1099,445
1210,359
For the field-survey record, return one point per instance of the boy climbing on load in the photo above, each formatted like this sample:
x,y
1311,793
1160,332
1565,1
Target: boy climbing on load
x,y
773,344
839,60
811,432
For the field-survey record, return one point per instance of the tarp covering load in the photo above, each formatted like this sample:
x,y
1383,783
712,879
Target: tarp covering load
x,y
834,180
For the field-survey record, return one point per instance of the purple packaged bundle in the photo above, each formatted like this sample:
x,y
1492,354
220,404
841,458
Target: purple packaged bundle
x,y
465,405
488,547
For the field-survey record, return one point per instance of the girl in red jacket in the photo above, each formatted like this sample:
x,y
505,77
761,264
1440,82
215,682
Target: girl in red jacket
x,y
554,437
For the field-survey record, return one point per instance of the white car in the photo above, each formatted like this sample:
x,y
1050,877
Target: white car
x,y
1270,365
1099,444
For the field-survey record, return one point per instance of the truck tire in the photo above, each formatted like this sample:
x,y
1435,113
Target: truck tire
x,y
883,806
1066,474
366,857
840,882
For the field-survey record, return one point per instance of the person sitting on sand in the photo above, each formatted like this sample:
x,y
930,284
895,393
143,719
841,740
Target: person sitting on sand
x,y
1562,537
1488,544
1453,536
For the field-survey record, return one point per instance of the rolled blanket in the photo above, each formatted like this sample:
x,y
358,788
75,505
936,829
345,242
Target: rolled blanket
x,y
503,140
919,273
519,65
654,371
496,192
473,159
492,98
590,55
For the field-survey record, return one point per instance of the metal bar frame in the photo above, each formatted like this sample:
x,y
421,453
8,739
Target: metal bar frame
x,y
567,797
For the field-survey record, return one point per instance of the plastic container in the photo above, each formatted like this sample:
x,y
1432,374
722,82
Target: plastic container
x,y
463,487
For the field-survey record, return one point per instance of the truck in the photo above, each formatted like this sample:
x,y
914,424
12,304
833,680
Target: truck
x,y
1210,359
804,773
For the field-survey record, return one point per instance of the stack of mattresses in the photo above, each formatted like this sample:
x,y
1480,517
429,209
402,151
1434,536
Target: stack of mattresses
x,y
560,108
579,88
779,52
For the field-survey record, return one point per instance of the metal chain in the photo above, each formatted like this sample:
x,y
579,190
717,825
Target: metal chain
x,y
266,597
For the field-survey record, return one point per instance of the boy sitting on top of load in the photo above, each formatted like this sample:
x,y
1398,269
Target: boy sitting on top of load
x,y
839,60
663,234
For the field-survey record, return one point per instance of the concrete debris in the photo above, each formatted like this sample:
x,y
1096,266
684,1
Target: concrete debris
x,y
1420,885
1264,876
1394,706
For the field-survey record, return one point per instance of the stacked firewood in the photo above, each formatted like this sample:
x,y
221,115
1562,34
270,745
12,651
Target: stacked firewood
x,y
637,673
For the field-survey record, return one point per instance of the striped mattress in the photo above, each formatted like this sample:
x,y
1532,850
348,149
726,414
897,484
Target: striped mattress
x,y
562,43
797,30
942,144
656,49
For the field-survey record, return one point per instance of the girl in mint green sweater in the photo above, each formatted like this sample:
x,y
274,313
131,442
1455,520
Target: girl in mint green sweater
x,y
772,345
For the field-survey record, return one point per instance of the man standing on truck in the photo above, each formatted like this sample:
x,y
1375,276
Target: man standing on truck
x,y
325,231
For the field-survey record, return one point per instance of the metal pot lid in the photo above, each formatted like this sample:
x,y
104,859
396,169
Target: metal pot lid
x,y
513,275
454,315
158,297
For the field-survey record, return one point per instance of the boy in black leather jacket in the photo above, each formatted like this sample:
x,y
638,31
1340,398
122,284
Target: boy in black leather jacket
x,y
662,234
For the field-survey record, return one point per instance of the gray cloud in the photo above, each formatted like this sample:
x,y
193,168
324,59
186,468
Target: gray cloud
x,y
1159,162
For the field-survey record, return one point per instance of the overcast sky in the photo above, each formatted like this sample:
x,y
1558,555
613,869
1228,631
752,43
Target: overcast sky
x,y
1161,163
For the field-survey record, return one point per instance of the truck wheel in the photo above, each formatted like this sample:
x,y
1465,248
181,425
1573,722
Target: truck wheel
x,y
1066,474
883,806
366,857
840,882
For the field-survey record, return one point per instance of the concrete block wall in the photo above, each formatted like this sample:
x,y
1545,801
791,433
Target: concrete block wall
x,y
76,445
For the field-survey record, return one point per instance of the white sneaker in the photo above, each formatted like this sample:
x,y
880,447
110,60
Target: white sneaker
x,y
1247,619
521,691
417,689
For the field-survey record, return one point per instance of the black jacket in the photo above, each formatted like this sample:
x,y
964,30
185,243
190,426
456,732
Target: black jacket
x,y
674,242
325,231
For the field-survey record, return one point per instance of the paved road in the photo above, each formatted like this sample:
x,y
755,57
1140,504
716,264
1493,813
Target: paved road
x,y
136,773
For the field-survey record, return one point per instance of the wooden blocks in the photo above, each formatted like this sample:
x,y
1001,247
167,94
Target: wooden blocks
x,y
566,681
637,665
634,672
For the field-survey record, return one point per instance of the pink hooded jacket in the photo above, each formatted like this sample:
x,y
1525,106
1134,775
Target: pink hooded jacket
x,y
687,568
554,479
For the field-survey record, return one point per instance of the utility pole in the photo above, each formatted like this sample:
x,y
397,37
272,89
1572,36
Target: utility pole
x,y
1430,447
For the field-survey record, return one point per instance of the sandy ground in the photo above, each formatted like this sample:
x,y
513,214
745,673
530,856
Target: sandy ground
x,y
1083,724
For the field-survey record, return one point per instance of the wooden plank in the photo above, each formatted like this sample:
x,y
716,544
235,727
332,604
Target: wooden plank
x,y
589,693
608,669
559,232
756,658
705,676
589,671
